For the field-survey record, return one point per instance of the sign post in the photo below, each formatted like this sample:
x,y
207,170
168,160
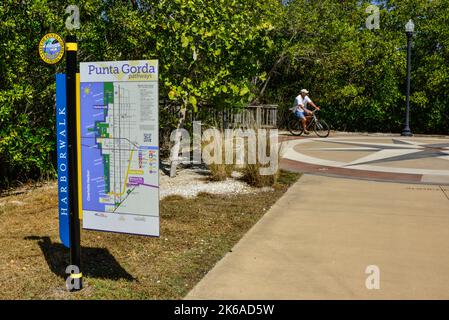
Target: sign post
x,y
71,84
112,180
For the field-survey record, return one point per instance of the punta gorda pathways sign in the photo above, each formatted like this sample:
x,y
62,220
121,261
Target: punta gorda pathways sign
x,y
140,70
120,146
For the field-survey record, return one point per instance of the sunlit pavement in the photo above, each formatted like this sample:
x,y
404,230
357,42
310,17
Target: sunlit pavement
x,y
422,160
319,239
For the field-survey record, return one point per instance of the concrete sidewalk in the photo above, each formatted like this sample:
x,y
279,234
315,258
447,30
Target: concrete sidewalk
x,y
318,239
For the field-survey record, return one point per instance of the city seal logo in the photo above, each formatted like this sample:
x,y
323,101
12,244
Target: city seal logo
x,y
51,48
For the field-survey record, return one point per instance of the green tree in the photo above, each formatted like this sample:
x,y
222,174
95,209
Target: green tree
x,y
221,55
27,86
358,75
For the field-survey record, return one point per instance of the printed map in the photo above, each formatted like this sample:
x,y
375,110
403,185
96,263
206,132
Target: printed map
x,y
120,165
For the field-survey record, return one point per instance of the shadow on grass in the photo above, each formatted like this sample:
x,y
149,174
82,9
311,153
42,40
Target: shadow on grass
x,y
96,262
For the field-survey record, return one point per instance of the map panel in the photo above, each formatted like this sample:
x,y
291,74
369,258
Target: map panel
x,y
119,147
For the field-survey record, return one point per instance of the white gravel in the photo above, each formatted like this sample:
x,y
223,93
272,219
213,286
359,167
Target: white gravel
x,y
187,183
191,181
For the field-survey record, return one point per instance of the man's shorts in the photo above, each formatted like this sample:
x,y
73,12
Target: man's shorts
x,y
300,114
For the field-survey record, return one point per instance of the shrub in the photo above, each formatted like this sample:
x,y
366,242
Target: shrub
x,y
220,171
252,173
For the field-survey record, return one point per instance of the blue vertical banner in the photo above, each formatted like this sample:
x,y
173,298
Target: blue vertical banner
x,y
62,156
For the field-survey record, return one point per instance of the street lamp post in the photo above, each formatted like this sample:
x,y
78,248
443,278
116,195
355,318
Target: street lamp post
x,y
409,29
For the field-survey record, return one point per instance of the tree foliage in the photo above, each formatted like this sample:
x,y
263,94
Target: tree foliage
x,y
359,75
223,54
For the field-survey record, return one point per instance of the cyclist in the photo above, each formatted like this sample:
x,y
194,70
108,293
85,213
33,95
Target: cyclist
x,y
300,108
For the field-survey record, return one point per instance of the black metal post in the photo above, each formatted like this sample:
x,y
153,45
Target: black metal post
x,y
75,236
407,132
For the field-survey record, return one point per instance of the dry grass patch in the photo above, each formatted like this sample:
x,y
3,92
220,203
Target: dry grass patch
x,y
220,172
195,234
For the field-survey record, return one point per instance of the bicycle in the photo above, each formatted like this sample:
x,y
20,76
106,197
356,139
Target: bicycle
x,y
319,126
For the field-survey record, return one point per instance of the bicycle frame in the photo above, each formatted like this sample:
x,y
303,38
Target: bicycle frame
x,y
315,124
313,120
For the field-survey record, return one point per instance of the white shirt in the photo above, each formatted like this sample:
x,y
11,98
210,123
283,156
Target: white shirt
x,y
300,100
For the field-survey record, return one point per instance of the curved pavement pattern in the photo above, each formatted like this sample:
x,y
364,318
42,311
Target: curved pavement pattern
x,y
396,159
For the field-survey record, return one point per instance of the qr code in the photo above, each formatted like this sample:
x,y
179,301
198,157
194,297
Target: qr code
x,y
147,137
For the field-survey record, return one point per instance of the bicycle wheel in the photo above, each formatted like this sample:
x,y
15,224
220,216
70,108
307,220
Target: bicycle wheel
x,y
295,127
321,129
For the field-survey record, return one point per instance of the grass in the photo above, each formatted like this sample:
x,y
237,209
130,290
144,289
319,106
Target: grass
x,y
220,172
195,234
251,172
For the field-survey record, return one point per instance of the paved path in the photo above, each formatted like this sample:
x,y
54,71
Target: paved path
x,y
318,239
421,160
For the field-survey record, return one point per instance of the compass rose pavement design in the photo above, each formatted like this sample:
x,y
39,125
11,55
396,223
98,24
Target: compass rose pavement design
x,y
398,159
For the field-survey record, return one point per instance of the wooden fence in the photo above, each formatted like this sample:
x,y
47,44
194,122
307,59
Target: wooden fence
x,y
262,116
